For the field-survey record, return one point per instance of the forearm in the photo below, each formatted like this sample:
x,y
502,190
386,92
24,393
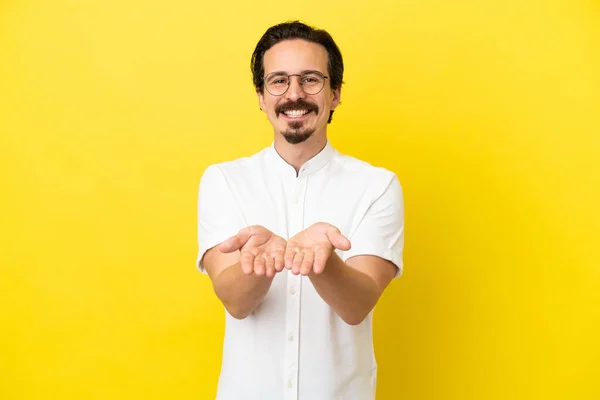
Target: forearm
x,y
351,293
240,293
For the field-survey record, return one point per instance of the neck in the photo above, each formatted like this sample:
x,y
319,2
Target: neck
x,y
297,154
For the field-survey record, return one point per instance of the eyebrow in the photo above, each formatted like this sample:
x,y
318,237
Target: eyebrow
x,y
285,73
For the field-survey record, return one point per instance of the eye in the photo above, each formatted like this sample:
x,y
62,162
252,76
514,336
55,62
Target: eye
x,y
311,79
277,80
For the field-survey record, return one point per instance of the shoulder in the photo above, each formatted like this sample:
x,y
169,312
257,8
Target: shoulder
x,y
234,168
366,174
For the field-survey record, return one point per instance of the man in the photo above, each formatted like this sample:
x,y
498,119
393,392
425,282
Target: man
x,y
299,240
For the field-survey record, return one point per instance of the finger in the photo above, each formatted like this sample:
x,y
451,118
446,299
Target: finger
x,y
230,245
278,260
307,263
269,265
297,262
247,262
338,240
235,242
321,257
259,265
288,258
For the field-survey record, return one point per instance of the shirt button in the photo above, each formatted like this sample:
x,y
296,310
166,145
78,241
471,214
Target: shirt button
x,y
292,290
291,338
289,384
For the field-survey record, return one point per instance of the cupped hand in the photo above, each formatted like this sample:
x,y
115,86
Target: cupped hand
x,y
261,250
308,251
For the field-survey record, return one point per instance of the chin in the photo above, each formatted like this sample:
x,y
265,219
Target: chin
x,y
296,137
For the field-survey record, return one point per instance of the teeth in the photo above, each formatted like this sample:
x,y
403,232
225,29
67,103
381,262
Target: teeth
x,y
295,113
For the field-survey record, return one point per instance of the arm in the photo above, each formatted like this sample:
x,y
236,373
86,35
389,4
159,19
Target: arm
x,y
241,267
353,288
240,293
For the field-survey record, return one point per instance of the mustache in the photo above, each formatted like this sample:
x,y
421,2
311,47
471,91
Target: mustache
x,y
299,104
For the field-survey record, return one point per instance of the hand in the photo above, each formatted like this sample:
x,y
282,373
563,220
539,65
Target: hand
x,y
261,250
310,249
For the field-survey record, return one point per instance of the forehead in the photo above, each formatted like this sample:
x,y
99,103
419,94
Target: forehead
x,y
295,56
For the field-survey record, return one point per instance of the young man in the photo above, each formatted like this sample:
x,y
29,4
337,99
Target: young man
x,y
299,240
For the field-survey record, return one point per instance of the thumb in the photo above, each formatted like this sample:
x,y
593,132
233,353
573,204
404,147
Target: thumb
x,y
235,242
338,240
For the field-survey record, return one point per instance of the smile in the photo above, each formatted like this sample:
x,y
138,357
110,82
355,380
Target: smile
x,y
295,113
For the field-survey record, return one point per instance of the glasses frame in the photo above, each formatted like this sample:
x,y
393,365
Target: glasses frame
x,y
289,78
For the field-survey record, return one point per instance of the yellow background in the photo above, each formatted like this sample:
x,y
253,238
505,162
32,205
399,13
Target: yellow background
x,y
488,111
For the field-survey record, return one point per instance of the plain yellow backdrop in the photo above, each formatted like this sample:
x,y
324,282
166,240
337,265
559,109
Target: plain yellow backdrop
x,y
488,111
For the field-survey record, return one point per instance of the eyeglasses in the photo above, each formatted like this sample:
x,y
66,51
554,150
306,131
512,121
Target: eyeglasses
x,y
311,82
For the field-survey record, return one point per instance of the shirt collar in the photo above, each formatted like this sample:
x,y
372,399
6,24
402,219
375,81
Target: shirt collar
x,y
318,161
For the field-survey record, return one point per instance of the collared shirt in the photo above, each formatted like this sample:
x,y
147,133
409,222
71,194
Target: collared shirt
x,y
294,346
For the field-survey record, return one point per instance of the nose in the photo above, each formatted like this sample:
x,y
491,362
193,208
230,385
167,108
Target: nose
x,y
295,91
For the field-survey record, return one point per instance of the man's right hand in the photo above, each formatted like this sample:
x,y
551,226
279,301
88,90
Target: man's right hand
x,y
261,250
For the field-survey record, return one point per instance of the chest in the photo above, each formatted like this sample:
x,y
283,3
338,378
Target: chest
x,y
287,207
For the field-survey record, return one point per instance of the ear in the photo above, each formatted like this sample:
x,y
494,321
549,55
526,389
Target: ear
x,y
337,97
261,99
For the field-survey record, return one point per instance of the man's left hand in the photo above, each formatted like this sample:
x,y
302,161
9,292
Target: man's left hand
x,y
309,250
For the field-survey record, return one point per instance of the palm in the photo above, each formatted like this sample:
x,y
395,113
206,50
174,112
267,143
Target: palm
x,y
309,250
261,250
315,234
263,245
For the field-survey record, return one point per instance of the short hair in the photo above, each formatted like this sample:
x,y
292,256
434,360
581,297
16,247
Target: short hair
x,y
297,30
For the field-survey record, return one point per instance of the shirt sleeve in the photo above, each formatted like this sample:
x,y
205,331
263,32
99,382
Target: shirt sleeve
x,y
219,216
381,230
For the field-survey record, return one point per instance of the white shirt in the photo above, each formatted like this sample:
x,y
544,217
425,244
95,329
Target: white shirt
x,y
294,346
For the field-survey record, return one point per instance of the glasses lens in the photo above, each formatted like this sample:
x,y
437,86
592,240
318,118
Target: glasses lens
x,y
276,84
312,82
